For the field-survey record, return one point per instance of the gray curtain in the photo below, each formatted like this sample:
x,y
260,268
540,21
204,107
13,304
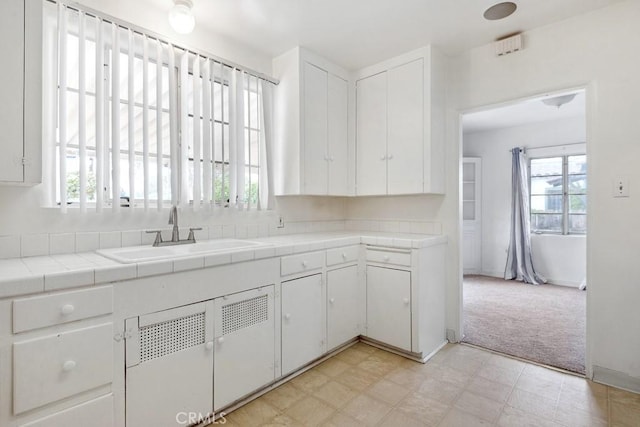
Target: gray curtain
x,y
519,262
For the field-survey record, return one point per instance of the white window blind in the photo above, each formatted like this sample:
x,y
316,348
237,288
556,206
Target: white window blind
x,y
140,122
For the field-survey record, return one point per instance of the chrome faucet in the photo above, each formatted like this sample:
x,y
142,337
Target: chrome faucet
x,y
175,234
173,220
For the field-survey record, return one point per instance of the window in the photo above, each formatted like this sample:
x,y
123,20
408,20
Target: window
x,y
559,194
135,121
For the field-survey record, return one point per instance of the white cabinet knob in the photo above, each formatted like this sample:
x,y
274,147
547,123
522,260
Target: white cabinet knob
x,y
332,300
287,316
406,301
390,156
220,340
209,345
69,365
386,258
67,309
331,158
304,264
383,157
344,256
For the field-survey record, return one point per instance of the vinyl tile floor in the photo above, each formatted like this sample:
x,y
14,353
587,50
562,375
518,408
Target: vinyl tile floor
x,y
460,386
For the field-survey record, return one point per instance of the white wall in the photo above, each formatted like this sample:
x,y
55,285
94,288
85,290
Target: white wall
x,y
598,50
561,259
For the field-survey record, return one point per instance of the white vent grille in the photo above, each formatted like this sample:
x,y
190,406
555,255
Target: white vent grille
x,y
243,314
171,336
508,45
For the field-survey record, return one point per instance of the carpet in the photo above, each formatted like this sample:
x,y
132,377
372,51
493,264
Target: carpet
x,y
544,324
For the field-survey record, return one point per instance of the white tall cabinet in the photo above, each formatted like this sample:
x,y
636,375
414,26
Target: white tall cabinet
x,y
471,215
400,125
311,130
21,91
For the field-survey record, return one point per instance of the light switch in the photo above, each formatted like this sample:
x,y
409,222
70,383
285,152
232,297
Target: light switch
x,y
621,187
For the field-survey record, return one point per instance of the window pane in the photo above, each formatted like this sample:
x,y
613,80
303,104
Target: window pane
x,y
546,185
577,165
546,204
546,167
578,204
577,184
546,223
577,224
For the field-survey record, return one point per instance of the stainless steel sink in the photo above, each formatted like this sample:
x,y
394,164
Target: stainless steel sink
x,y
135,254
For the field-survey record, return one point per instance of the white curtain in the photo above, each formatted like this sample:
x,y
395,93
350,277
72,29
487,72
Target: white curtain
x,y
519,262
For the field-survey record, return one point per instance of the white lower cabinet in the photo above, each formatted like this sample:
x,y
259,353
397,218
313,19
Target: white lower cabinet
x,y
58,366
169,360
344,305
389,306
303,321
245,350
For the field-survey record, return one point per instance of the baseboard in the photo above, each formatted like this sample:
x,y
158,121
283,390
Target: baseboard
x,y
551,281
616,379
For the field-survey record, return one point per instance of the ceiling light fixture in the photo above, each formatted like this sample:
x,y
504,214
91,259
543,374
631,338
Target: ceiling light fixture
x,y
500,11
181,16
559,101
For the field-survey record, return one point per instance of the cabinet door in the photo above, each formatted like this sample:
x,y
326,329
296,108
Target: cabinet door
x,y
371,128
303,322
406,128
11,90
169,365
315,130
337,139
343,310
244,344
389,306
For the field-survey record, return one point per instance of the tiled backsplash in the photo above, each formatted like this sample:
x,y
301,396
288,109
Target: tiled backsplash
x,y
26,245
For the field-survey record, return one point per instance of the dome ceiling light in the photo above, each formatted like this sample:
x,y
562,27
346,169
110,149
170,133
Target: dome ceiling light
x,y
181,16
500,11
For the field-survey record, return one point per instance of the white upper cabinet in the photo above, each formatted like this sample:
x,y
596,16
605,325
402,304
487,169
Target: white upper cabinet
x,y
311,129
21,93
400,125
371,130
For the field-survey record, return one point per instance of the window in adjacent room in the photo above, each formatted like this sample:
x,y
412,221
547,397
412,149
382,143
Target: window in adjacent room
x,y
559,194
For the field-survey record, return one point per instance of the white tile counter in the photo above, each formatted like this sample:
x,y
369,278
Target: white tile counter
x,y
29,275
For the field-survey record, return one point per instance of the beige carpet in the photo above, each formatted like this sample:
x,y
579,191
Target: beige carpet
x,y
544,324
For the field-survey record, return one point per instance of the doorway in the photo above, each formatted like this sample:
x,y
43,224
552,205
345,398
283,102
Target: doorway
x,y
545,323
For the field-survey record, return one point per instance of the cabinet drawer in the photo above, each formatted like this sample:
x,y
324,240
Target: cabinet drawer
x,y
96,413
49,310
58,366
389,257
302,262
342,255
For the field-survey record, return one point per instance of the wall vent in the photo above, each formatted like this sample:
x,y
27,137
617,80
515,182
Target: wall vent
x,y
509,44
169,337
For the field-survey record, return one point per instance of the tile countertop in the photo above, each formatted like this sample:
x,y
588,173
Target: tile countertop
x,y
22,276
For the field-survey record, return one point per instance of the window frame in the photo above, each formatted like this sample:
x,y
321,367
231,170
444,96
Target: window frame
x,y
565,228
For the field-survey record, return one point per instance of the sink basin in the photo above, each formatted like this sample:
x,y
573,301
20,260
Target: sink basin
x,y
135,254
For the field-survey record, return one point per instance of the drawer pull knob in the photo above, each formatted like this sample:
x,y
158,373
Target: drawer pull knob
x,y
220,340
69,365
406,301
344,255
304,264
209,345
386,258
332,300
287,316
67,309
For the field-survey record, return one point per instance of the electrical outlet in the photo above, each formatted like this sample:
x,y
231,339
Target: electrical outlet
x,y
281,223
621,187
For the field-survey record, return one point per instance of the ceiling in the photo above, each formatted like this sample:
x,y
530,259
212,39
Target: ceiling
x,y
522,113
358,33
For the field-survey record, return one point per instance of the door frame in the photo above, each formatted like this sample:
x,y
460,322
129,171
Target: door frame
x,y
590,107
